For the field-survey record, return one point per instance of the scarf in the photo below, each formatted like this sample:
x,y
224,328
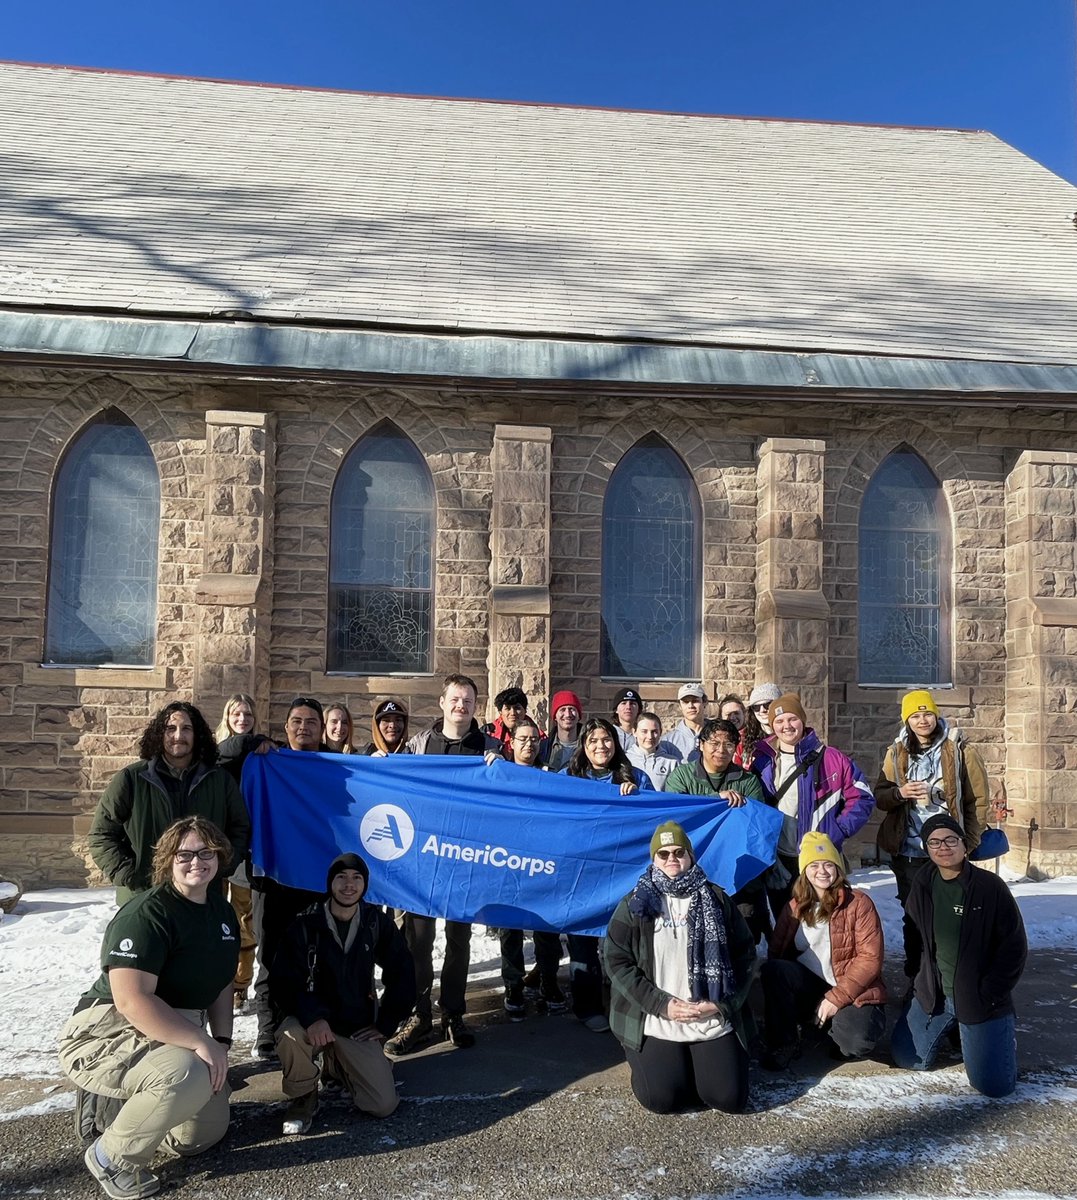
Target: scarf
x,y
710,972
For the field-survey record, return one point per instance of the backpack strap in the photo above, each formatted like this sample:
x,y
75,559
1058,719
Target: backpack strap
x,y
805,764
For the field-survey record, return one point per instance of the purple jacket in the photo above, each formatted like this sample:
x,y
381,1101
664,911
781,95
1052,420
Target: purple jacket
x,y
832,795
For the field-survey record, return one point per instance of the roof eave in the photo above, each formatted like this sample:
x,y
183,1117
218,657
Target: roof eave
x,y
261,350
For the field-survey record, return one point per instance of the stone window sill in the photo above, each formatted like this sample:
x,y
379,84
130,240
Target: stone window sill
x,y
150,679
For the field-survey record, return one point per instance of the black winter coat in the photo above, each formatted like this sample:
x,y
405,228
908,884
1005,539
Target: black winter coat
x,y
314,977
991,951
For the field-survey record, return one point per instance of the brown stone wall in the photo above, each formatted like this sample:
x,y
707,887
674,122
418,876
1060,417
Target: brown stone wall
x,y
247,471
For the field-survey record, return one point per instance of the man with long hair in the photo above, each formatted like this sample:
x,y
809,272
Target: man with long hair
x,y
176,776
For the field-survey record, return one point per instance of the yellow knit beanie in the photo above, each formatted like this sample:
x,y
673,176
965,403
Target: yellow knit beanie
x,y
817,847
914,702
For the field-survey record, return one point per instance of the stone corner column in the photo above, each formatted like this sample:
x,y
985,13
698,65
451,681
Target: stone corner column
x,y
520,563
235,593
792,613
1040,786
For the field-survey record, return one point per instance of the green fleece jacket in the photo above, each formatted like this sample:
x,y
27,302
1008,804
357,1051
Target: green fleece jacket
x,y
691,779
138,807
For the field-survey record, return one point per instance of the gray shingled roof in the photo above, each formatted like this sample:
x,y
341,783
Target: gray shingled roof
x,y
157,195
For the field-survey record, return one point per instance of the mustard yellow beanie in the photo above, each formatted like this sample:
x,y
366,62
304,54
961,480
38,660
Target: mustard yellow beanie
x,y
914,702
817,847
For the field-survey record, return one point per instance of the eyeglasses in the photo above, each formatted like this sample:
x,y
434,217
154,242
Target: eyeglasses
x,y
526,741
188,856
760,707
720,743
943,843
676,852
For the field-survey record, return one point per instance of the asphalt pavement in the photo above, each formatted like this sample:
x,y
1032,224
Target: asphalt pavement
x,y
542,1110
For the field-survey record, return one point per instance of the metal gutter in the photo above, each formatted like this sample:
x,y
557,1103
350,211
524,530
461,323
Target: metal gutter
x,y
286,351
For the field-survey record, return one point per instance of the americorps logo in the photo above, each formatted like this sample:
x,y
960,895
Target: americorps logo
x,y
386,832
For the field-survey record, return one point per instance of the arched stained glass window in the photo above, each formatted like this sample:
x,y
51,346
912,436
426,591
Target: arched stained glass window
x,y
381,559
106,510
651,567
904,595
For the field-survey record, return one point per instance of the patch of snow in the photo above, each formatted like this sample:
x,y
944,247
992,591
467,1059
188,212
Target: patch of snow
x,y
60,1102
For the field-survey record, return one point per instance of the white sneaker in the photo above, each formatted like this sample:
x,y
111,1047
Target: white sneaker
x,y
300,1114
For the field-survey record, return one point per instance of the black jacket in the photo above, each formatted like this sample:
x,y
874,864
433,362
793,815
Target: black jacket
x,y
314,977
991,951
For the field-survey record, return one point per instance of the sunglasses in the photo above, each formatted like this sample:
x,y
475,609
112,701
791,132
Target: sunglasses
x,y
676,852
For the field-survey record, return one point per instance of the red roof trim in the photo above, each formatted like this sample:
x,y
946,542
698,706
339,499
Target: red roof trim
x,y
657,112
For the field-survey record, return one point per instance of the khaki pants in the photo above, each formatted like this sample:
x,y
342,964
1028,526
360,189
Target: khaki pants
x,y
240,899
169,1103
361,1066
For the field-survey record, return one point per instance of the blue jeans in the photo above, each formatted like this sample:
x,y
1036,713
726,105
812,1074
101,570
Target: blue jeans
x,y
989,1048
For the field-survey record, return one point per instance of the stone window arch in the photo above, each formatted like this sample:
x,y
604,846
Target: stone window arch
x,y
905,569
381,558
106,517
652,554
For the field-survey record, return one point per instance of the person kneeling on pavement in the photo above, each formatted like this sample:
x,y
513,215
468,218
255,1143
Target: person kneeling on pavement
x,y
825,964
681,961
321,983
973,952
168,959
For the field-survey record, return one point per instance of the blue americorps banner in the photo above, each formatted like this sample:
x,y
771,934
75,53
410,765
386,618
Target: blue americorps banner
x,y
498,844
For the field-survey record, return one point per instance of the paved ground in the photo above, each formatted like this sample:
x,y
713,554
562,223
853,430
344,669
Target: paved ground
x,y
542,1110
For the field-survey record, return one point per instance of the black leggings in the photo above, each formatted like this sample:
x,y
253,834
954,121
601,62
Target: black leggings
x,y
669,1077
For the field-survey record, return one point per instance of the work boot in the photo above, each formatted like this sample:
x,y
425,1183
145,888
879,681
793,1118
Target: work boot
x,y
416,1030
454,1030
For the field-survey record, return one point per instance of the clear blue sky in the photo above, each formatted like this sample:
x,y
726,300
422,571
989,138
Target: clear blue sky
x,y
1007,66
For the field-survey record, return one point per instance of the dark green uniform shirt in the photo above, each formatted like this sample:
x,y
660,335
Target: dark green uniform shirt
x,y
191,948
949,900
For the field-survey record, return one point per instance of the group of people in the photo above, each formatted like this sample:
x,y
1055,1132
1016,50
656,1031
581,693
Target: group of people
x,y
671,978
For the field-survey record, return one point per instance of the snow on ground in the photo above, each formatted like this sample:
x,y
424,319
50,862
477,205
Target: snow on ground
x,y
49,951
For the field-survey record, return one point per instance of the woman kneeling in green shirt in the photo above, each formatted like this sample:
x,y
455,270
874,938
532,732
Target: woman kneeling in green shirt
x,y
168,959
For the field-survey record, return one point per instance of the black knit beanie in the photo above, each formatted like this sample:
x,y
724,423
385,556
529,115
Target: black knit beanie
x,y
347,862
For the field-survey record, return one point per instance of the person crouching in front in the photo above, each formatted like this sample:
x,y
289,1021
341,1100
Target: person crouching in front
x,y
322,981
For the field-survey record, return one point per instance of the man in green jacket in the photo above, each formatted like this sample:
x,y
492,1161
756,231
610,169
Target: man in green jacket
x,y
714,774
176,776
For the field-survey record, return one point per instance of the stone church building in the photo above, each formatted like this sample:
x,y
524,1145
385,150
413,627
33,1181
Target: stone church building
x,y
328,393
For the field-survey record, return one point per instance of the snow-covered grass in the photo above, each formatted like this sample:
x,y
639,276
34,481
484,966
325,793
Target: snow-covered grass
x,y
49,950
